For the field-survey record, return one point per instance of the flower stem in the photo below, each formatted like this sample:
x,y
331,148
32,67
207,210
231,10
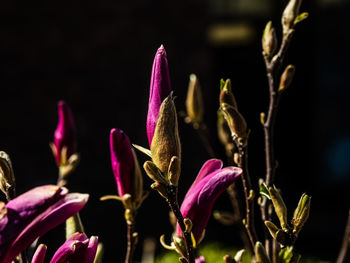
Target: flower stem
x,y
174,206
132,240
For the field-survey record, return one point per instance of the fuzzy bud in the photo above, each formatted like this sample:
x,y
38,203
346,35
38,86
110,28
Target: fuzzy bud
x,y
286,78
289,15
174,170
235,121
226,95
154,173
269,40
166,140
272,228
194,100
279,205
301,213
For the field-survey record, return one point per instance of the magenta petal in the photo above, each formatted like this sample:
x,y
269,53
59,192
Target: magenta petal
x,y
78,248
39,254
159,90
207,168
65,134
122,160
91,250
32,214
200,198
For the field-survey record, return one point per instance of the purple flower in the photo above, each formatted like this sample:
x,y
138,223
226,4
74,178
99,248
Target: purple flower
x,y
211,181
122,160
65,135
39,254
78,248
32,214
159,90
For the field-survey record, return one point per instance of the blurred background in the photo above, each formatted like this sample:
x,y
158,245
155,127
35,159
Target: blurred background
x,y
97,55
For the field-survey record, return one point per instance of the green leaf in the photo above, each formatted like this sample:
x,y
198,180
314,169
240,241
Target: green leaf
x,y
143,149
301,17
265,191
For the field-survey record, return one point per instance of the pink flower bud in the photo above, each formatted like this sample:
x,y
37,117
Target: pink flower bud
x,y
159,90
65,135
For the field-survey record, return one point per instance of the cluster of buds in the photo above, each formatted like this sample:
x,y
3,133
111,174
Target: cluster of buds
x,y
285,234
291,15
229,109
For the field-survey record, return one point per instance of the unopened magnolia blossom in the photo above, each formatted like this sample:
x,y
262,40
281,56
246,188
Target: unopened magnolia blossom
x,y
65,134
159,90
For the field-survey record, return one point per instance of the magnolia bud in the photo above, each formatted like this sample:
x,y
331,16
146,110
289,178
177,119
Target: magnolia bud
x,y
279,205
161,189
194,100
226,95
260,253
269,40
235,121
174,170
239,256
286,78
166,140
272,228
154,173
7,177
301,213
289,14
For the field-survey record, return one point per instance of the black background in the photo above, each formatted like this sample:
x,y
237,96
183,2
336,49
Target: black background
x,y
97,55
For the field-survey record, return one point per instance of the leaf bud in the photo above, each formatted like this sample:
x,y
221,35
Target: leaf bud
x,y
286,78
301,213
154,173
228,259
279,205
224,134
235,121
260,253
226,95
225,218
194,100
161,189
166,140
272,228
174,170
7,177
239,256
289,15
269,40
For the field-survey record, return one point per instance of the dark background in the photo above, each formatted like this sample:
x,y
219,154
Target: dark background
x,y
97,55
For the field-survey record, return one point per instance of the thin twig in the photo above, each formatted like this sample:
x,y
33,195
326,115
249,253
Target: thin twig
x,y
273,67
131,242
174,206
247,188
344,251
